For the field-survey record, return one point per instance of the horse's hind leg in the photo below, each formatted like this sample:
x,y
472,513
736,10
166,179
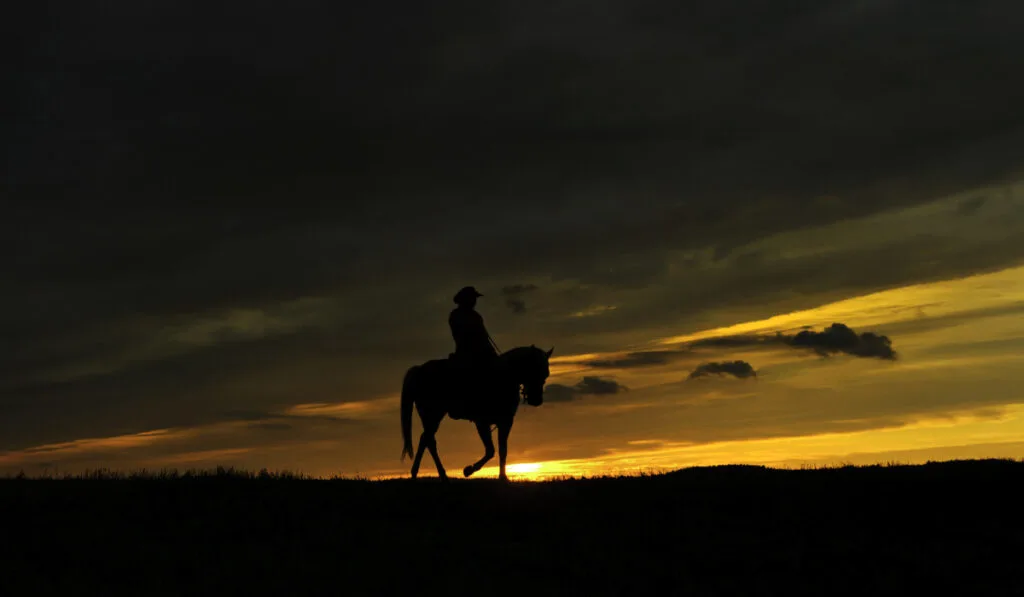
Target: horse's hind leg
x,y
431,444
437,460
485,436
419,454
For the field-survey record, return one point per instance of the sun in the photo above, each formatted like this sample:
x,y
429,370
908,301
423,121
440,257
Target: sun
x,y
524,468
523,471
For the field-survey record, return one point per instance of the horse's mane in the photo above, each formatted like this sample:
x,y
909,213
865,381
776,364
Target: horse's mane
x,y
522,350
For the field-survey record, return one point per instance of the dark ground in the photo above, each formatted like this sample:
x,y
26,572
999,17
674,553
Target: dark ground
x,y
943,528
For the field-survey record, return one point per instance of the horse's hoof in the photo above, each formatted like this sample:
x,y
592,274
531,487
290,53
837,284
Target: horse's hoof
x,y
444,478
503,478
468,471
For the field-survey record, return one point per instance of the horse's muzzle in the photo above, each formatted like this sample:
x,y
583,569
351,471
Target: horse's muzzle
x,y
534,396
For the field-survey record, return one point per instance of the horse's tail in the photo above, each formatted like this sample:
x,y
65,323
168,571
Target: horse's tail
x,y
408,385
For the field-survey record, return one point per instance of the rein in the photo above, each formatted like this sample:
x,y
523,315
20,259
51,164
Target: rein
x,y
494,344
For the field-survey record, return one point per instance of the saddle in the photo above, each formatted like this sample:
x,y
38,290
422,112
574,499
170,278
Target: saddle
x,y
475,382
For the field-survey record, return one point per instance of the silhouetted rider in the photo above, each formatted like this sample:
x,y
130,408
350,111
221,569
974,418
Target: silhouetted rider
x,y
474,351
472,342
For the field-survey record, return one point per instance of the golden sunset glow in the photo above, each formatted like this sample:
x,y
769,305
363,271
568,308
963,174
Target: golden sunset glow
x,y
989,301
997,435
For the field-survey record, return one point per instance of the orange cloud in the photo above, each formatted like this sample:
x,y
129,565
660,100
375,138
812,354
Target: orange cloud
x,y
103,444
357,409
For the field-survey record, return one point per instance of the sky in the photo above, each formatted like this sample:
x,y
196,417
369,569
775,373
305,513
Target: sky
x,y
779,232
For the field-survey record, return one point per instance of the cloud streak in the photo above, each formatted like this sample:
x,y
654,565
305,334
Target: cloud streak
x,y
588,386
738,369
638,359
838,338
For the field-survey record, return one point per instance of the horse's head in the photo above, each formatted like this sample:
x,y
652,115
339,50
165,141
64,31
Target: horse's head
x,y
531,366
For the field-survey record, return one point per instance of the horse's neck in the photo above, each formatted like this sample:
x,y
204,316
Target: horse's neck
x,y
513,356
516,359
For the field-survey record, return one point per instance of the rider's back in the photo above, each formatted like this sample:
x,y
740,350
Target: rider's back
x,y
469,333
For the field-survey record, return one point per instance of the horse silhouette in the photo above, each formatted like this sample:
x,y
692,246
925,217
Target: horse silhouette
x,y
432,389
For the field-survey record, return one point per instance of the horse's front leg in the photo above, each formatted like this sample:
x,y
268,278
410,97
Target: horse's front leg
x,y
503,431
485,436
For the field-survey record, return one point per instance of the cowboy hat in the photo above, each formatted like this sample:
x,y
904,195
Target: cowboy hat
x,y
466,293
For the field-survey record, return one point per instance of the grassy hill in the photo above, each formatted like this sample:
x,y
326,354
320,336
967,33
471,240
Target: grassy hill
x,y
953,527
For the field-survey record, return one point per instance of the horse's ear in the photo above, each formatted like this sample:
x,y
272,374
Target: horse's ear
x,y
550,351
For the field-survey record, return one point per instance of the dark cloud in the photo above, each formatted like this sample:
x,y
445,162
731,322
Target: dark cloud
x,y
595,386
588,386
514,296
738,369
556,392
839,338
517,305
